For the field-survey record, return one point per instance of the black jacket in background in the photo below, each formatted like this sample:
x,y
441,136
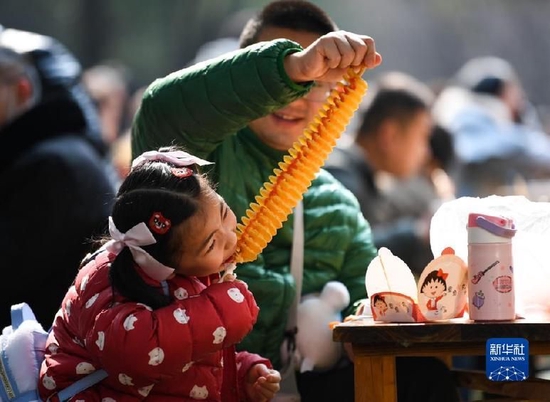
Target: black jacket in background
x,y
56,191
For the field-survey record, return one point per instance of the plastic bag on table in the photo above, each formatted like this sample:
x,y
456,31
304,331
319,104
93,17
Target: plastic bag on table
x,y
530,244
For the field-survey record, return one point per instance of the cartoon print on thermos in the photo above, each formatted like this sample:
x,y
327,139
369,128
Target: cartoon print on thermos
x,y
477,277
502,284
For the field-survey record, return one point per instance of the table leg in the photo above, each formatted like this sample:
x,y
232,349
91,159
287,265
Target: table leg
x,y
375,378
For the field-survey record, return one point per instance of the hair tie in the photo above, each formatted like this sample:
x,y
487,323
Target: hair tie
x,y
159,224
176,158
135,237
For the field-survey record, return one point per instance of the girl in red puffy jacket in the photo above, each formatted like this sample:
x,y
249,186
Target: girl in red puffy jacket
x,y
150,308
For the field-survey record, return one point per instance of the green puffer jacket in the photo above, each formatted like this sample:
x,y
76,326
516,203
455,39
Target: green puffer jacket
x,y
206,108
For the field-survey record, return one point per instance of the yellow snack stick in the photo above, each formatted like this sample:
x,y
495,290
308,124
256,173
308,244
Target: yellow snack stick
x,y
286,187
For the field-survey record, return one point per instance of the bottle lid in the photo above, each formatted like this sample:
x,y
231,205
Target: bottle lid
x,y
497,225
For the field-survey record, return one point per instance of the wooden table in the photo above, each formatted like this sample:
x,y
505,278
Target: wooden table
x,y
376,345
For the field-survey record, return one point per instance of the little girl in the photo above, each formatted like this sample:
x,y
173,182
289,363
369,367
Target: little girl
x,y
149,306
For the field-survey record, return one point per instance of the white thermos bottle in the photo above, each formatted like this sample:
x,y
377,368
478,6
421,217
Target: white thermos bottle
x,y
490,268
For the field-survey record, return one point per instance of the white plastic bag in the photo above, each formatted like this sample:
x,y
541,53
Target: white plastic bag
x,y
530,244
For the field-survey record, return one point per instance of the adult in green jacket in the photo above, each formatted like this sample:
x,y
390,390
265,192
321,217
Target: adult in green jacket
x,y
206,108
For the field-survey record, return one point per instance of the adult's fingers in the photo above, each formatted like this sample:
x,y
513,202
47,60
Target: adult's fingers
x,y
349,47
372,58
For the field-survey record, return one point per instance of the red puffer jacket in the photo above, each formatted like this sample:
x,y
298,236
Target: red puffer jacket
x,y
172,353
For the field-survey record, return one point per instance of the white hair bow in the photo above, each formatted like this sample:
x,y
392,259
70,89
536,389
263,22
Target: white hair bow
x,y
139,235
176,158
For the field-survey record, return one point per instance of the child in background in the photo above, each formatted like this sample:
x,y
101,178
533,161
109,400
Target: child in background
x,y
149,307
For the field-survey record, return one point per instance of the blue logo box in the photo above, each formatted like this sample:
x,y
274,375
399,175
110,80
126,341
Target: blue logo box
x,y
507,359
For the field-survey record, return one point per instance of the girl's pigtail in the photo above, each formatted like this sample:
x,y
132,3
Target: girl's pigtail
x,y
127,281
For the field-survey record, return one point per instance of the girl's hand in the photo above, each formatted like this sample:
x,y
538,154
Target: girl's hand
x,y
328,58
262,383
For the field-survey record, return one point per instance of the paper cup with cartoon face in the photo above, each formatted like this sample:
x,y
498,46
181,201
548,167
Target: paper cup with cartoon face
x,y
442,287
393,307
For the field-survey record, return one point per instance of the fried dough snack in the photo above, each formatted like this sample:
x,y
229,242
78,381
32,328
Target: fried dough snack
x,y
285,188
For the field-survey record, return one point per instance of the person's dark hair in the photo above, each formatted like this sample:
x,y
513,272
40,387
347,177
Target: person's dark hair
x,y
148,189
397,96
442,147
297,15
395,104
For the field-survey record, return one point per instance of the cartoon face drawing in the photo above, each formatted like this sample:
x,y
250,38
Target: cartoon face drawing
x,y
199,392
156,356
181,316
159,224
219,335
129,322
236,295
48,382
125,379
381,306
433,289
434,285
186,367
84,368
181,293
92,300
144,391
100,341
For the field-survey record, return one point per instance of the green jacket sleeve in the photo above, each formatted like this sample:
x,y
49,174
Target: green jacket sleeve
x,y
199,106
